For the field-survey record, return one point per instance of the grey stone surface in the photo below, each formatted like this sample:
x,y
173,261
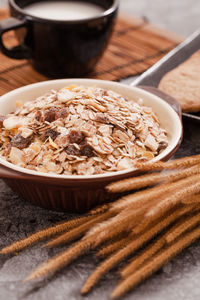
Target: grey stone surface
x,y
177,280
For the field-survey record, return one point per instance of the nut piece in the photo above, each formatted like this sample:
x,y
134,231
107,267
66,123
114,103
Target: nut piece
x,y
12,122
16,156
26,132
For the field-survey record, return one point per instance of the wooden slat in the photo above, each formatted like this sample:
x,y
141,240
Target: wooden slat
x,y
135,46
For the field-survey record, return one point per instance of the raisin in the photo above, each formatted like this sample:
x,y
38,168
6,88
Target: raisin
x,y
105,93
72,150
38,115
162,145
50,114
87,150
50,133
62,113
7,150
75,136
2,118
20,142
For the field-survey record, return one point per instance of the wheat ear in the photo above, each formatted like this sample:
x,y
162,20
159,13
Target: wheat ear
x,y
99,209
180,210
154,247
115,246
60,260
123,222
111,262
151,179
78,231
158,261
174,164
172,200
191,199
142,257
140,198
182,226
182,189
44,234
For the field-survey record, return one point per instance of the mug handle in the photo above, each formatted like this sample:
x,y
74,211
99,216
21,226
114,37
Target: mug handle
x,y
18,52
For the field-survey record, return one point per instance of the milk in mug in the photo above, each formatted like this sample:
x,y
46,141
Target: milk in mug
x,y
63,10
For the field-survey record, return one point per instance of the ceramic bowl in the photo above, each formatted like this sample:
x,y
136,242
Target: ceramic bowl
x,y
79,193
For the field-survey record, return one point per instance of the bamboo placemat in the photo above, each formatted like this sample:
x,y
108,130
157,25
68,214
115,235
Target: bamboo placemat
x,y
135,46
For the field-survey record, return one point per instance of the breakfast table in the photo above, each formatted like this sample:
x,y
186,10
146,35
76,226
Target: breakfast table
x,y
179,279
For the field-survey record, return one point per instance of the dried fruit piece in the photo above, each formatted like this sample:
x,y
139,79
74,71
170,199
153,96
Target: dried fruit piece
x,y
50,114
72,150
50,133
20,142
38,115
7,149
162,145
2,118
76,136
62,113
87,150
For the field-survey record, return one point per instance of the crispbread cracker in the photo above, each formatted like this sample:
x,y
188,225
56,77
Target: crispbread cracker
x,y
183,83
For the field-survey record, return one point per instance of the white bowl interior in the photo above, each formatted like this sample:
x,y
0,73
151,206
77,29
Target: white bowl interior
x,y
168,118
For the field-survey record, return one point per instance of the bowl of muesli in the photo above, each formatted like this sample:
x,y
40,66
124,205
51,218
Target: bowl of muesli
x,y
62,141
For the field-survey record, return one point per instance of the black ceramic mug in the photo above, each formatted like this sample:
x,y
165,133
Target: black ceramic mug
x,y
59,48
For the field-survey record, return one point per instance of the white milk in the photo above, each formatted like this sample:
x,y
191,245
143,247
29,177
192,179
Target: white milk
x,y
63,10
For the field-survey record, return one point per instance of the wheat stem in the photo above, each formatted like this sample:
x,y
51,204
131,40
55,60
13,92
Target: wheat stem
x,y
158,261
